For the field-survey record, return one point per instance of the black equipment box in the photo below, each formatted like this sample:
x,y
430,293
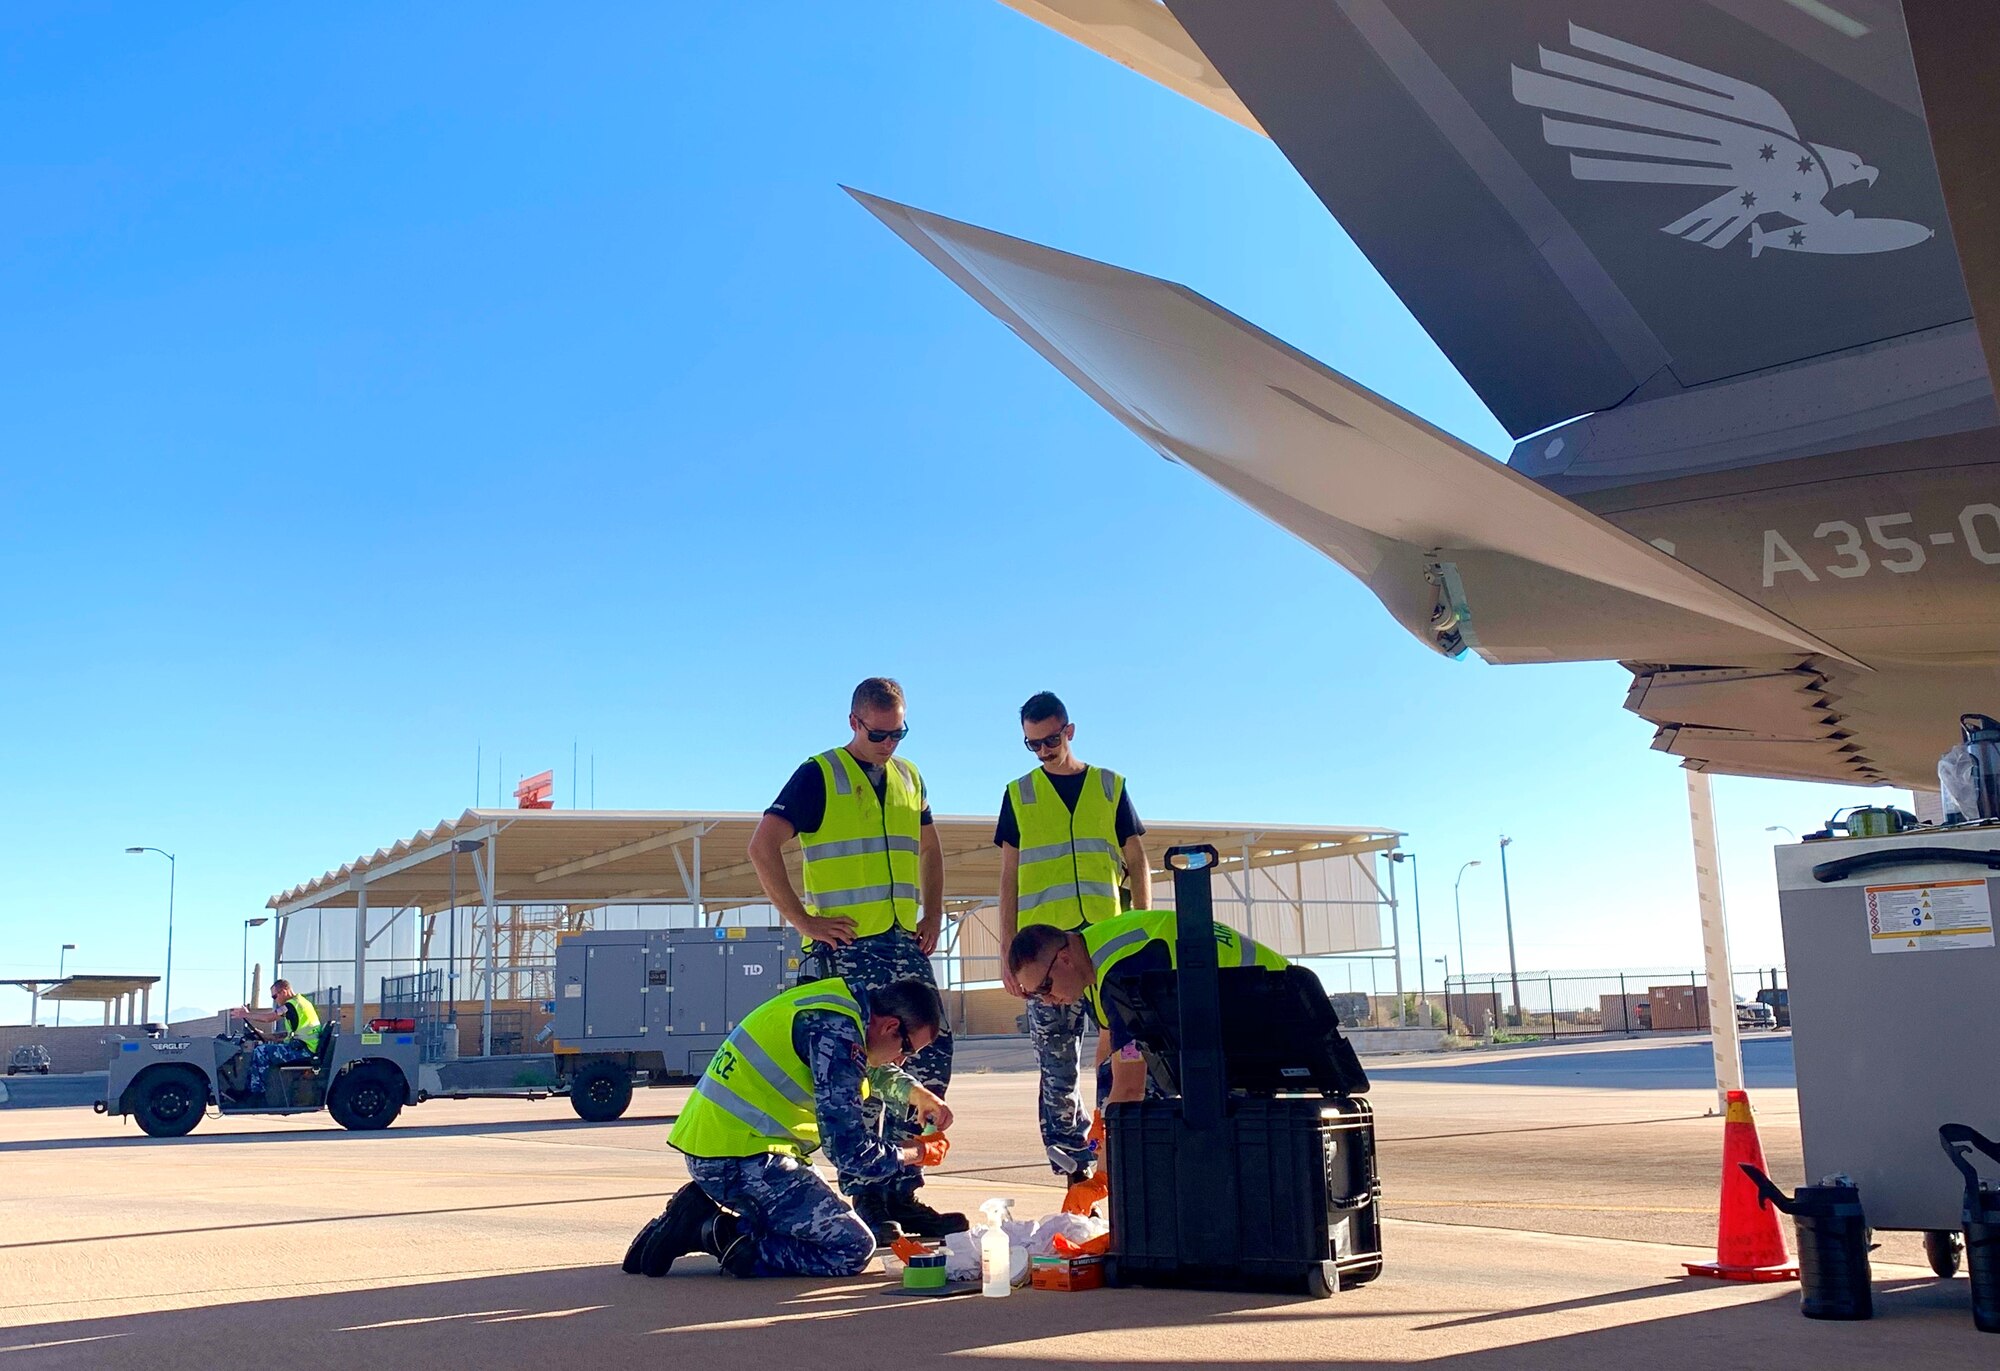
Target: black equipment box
x,y
1300,1208
1259,1171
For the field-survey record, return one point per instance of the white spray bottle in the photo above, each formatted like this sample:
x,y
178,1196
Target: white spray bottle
x,y
994,1276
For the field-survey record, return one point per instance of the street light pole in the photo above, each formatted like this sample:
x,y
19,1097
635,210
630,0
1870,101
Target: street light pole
x,y
62,961
1447,993
1458,917
166,1010
1417,899
1507,903
249,924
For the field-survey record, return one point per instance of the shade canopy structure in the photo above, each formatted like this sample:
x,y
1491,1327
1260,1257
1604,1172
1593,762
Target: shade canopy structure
x,y
124,999
545,870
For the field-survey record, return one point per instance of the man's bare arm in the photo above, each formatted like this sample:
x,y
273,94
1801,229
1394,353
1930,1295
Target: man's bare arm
x,y
767,855
930,877
1010,912
1138,872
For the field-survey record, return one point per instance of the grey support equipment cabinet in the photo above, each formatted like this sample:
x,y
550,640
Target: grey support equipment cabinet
x,y
649,1006
1895,1011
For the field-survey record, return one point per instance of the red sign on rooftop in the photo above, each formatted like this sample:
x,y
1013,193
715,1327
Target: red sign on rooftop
x,y
537,792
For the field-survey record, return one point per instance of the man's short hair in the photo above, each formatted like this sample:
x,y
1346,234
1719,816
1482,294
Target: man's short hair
x,y
1033,943
910,1000
877,692
276,986
1041,705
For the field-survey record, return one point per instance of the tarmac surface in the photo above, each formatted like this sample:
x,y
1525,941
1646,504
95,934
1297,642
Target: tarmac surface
x,y
1534,1221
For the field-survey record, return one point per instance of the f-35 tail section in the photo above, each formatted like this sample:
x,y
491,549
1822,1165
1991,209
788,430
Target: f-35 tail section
x,y
1463,552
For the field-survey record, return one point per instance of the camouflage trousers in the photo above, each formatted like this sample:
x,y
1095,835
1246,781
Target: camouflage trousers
x,y
1057,1030
264,1056
867,964
800,1224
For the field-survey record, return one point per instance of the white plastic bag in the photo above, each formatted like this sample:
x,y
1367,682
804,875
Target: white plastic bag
x,y
1078,1228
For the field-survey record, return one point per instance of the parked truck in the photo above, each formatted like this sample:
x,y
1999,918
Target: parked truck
x,y
649,1006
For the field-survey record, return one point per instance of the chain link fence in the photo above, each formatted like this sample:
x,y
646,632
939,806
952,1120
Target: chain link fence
x,y
1574,1004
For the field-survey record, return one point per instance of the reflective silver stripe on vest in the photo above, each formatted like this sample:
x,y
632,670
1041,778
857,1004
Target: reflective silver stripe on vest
x,y
909,772
867,894
841,785
1073,891
859,847
1051,851
1028,789
1245,951
1110,780
734,1105
766,1066
1136,938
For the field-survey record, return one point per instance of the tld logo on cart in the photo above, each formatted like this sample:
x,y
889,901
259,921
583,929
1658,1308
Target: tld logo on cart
x,y
1940,917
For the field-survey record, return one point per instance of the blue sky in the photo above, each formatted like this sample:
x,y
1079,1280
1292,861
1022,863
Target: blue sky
x,y
380,383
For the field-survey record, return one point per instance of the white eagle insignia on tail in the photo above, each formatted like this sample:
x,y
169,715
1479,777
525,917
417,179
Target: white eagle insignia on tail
x,y
1659,121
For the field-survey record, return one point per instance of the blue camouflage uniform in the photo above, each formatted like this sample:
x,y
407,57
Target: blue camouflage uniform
x,y
869,964
1057,1032
800,1224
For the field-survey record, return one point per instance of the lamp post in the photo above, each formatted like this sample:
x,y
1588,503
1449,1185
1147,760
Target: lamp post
x,y
167,1009
1446,961
249,924
1780,828
62,960
1507,903
1417,898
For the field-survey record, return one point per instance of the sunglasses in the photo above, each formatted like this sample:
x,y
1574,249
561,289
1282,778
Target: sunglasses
x,y
1048,981
1054,739
884,735
909,1050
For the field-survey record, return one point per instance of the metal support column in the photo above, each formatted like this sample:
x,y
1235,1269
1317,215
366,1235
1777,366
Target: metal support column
x,y
1714,938
360,997
483,869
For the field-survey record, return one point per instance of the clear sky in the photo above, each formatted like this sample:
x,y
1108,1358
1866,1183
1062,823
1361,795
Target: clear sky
x,y
380,383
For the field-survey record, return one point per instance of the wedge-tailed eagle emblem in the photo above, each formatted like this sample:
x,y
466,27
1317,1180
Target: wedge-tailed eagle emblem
x,y
1655,120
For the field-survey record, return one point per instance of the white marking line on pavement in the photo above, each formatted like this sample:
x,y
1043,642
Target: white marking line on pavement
x,y
816,1316
432,1318
550,1314
61,1342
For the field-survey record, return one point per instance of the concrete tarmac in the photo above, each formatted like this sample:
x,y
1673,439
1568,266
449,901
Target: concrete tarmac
x,y
1529,1226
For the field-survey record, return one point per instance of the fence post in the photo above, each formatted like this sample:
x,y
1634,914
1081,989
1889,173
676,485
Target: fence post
x,y
1700,1001
1553,1033
1624,1002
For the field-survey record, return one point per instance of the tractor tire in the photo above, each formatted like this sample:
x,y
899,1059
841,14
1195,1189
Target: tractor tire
x,y
600,1092
366,1098
1943,1249
171,1102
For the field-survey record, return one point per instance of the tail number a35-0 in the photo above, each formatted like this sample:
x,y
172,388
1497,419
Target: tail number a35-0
x,y
1888,542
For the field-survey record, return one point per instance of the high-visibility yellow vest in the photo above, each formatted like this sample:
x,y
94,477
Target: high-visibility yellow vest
x,y
861,862
307,1031
757,1094
1112,941
1070,862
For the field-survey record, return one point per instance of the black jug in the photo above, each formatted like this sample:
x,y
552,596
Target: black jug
x,y
1982,1222
1833,1246
1982,743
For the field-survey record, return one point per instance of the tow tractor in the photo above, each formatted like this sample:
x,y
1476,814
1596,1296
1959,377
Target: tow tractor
x,y
167,1083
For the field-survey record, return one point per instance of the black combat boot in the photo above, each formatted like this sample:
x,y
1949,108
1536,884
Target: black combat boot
x,y
872,1204
726,1238
919,1219
676,1232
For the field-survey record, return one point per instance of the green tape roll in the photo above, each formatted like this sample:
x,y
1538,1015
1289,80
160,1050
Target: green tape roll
x,y
924,1277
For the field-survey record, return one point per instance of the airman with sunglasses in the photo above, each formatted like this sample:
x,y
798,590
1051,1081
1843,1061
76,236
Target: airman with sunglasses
x,y
872,908
1067,835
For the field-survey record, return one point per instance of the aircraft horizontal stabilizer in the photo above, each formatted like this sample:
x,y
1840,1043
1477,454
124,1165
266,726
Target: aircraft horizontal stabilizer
x,y
1462,550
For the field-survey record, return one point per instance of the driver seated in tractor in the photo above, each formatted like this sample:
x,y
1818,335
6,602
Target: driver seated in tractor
x,y
301,1023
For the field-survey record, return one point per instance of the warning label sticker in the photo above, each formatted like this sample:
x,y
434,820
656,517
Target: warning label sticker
x,y
1941,917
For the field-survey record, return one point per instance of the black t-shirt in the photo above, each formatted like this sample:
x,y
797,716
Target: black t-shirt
x,y
1007,833
802,803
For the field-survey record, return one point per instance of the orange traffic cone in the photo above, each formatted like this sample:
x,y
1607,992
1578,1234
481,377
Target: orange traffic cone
x,y
1749,1245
